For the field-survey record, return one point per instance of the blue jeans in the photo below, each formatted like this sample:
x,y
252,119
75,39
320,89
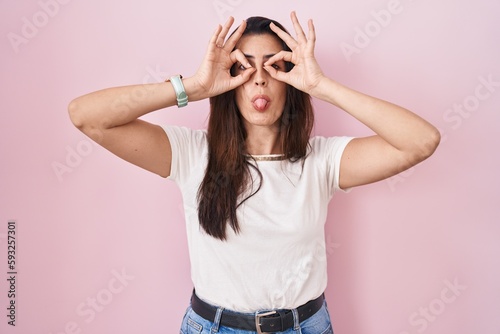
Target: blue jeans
x,y
318,323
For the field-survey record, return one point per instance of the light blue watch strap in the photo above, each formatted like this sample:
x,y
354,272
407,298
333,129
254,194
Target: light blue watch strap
x,y
180,92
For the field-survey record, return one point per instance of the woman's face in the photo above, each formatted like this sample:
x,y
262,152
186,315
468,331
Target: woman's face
x,y
261,99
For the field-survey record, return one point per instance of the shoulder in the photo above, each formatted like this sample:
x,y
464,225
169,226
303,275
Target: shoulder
x,y
321,146
185,136
326,154
189,148
187,145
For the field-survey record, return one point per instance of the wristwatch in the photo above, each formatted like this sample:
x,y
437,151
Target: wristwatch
x,y
180,92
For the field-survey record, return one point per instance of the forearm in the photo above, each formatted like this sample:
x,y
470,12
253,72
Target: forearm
x,y
398,126
117,106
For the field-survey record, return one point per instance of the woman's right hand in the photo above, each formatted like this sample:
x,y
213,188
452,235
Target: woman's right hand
x,y
213,76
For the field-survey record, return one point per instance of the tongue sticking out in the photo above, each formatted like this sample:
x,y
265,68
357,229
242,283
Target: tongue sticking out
x,y
260,104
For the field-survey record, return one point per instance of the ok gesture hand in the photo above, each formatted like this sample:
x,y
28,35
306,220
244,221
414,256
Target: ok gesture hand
x,y
306,73
213,75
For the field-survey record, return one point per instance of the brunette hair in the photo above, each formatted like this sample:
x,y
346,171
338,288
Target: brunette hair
x,y
227,177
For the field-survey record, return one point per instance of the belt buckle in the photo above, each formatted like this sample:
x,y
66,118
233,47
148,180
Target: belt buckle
x,y
257,320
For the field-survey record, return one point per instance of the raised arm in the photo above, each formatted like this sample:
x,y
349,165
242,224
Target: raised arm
x,y
111,116
402,139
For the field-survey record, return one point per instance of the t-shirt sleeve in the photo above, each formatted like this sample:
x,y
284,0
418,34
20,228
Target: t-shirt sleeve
x,y
189,148
332,149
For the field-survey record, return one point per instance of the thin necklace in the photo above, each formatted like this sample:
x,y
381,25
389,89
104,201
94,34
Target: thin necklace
x,y
267,157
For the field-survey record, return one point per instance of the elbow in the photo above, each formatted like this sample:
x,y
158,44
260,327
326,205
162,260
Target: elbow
x,y
431,142
426,146
82,119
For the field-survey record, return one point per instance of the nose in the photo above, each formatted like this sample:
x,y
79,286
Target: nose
x,y
260,77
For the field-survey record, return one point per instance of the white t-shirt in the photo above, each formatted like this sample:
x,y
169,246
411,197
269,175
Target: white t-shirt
x,y
278,260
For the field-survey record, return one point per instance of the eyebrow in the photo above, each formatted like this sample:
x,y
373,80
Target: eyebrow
x,y
265,56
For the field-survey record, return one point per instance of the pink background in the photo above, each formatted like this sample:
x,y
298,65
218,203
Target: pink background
x,y
394,248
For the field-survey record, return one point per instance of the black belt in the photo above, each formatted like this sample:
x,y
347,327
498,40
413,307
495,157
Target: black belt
x,y
273,321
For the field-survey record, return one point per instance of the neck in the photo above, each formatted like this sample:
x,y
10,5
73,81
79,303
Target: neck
x,y
263,140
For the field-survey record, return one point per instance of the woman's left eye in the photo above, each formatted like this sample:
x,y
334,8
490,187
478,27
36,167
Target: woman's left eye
x,y
276,66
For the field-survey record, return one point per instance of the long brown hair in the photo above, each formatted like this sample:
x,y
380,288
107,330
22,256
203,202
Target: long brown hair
x,y
227,176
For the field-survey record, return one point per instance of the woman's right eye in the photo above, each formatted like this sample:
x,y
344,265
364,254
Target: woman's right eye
x,y
241,67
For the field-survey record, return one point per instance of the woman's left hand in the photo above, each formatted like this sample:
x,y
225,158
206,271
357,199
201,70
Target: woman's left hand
x,y
306,74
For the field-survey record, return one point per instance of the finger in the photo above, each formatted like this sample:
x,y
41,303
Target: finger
x,y
278,75
223,33
235,37
282,55
241,78
311,36
312,30
301,36
292,43
238,56
213,39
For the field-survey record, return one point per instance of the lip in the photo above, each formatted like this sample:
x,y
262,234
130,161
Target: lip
x,y
263,97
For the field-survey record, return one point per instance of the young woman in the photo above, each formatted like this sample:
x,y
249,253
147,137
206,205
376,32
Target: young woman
x,y
255,185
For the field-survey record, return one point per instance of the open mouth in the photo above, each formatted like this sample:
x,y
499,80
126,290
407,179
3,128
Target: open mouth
x,y
261,102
